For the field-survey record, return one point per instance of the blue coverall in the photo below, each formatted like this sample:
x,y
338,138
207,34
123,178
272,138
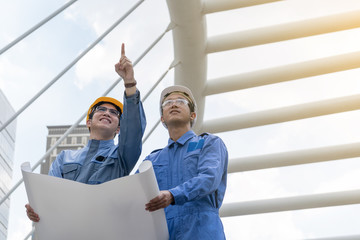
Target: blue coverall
x,y
101,160
194,170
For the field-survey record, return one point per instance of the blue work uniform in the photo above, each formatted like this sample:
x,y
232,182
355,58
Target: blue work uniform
x,y
194,170
101,160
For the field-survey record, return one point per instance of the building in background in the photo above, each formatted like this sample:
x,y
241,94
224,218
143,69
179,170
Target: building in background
x,y
77,139
7,149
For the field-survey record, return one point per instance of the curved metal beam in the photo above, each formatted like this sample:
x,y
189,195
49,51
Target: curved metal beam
x,y
211,6
283,32
291,203
283,73
304,156
189,37
285,114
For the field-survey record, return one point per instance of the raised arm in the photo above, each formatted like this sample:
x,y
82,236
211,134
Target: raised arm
x,y
125,69
133,121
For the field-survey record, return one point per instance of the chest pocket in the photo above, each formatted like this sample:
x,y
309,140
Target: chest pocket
x,y
191,160
100,172
160,170
71,171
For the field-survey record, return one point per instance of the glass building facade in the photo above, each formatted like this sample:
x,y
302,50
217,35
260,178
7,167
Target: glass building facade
x,y
7,149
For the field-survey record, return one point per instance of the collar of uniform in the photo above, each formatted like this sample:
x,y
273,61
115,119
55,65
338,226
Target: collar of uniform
x,y
102,143
183,139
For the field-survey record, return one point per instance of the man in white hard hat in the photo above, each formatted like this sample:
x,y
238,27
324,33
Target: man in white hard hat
x,y
191,171
101,160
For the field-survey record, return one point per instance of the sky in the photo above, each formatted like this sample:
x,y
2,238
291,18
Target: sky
x,y
28,66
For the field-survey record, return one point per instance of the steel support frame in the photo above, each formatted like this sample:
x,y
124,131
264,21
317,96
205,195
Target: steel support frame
x,y
191,48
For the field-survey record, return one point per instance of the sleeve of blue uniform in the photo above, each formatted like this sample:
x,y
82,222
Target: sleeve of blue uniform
x,y
211,167
132,127
55,168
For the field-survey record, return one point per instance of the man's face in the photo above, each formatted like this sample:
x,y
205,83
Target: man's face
x,y
176,110
105,118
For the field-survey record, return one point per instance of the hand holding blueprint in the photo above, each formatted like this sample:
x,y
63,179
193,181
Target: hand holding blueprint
x,y
113,210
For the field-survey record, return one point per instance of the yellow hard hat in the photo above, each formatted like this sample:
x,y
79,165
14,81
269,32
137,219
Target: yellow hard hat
x,y
113,101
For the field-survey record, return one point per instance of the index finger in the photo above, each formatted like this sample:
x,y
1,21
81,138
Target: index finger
x,y
122,50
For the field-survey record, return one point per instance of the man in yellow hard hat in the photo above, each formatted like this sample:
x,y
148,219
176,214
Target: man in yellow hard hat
x,y
101,160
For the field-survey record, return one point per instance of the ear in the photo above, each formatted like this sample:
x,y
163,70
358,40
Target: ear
x,y
118,130
163,122
88,123
192,115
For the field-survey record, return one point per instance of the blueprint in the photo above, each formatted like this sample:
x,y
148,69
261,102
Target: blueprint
x,y
113,210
